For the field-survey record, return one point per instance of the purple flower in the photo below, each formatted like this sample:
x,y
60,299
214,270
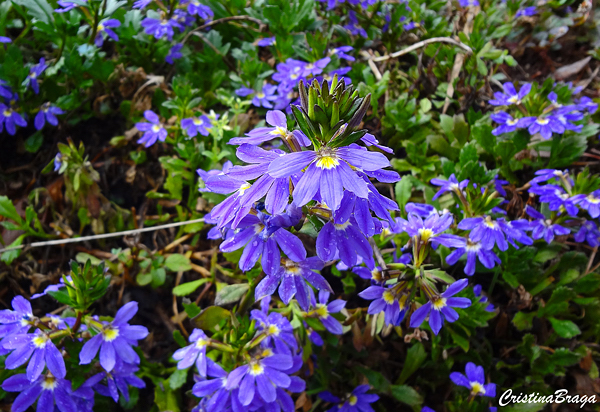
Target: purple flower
x,y
115,340
557,198
39,347
48,114
486,231
543,175
57,165
290,72
430,229
140,4
353,25
341,53
34,73
322,311
566,117
278,330
527,11
10,119
313,69
391,300
510,95
49,389
474,250
261,377
105,27
181,19
468,3
294,277
153,131
278,120
545,126
544,228
264,97
5,90
267,41
591,203
369,140
216,396
328,171
427,409
66,6
588,232
4,39
506,122
118,380
196,125
475,381
344,241
174,54
482,299
159,28
194,353
440,308
450,185
196,8
263,235
358,401
15,322
585,103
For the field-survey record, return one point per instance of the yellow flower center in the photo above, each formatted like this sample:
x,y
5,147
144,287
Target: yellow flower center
x,y
542,121
477,388
110,333
512,122
49,383
439,303
156,128
273,330
200,343
279,131
342,226
7,113
327,162
593,199
40,340
198,121
256,369
260,95
352,400
322,311
100,27
388,297
425,234
243,188
513,99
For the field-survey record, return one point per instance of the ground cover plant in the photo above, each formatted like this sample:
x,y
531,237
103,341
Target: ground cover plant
x,y
268,205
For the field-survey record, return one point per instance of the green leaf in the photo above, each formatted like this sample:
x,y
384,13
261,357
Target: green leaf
x,y
165,399
565,328
8,210
414,358
403,191
407,395
191,309
231,294
178,378
178,337
39,9
178,263
211,317
523,320
186,288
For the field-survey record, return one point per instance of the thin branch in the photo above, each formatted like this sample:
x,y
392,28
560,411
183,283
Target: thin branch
x,y
102,235
423,43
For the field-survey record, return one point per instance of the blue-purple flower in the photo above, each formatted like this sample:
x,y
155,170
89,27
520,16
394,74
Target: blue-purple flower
x,y
507,123
153,131
194,353
10,119
194,7
341,52
545,126
48,114
450,185
52,392
196,125
328,171
278,330
353,25
589,233
34,74
474,381
294,277
510,95
440,307
392,301
261,378
591,203
475,251
67,5
358,401
39,347
159,28
118,380
115,339
526,11
174,53
267,41
544,228
482,299
323,310
106,27
15,322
